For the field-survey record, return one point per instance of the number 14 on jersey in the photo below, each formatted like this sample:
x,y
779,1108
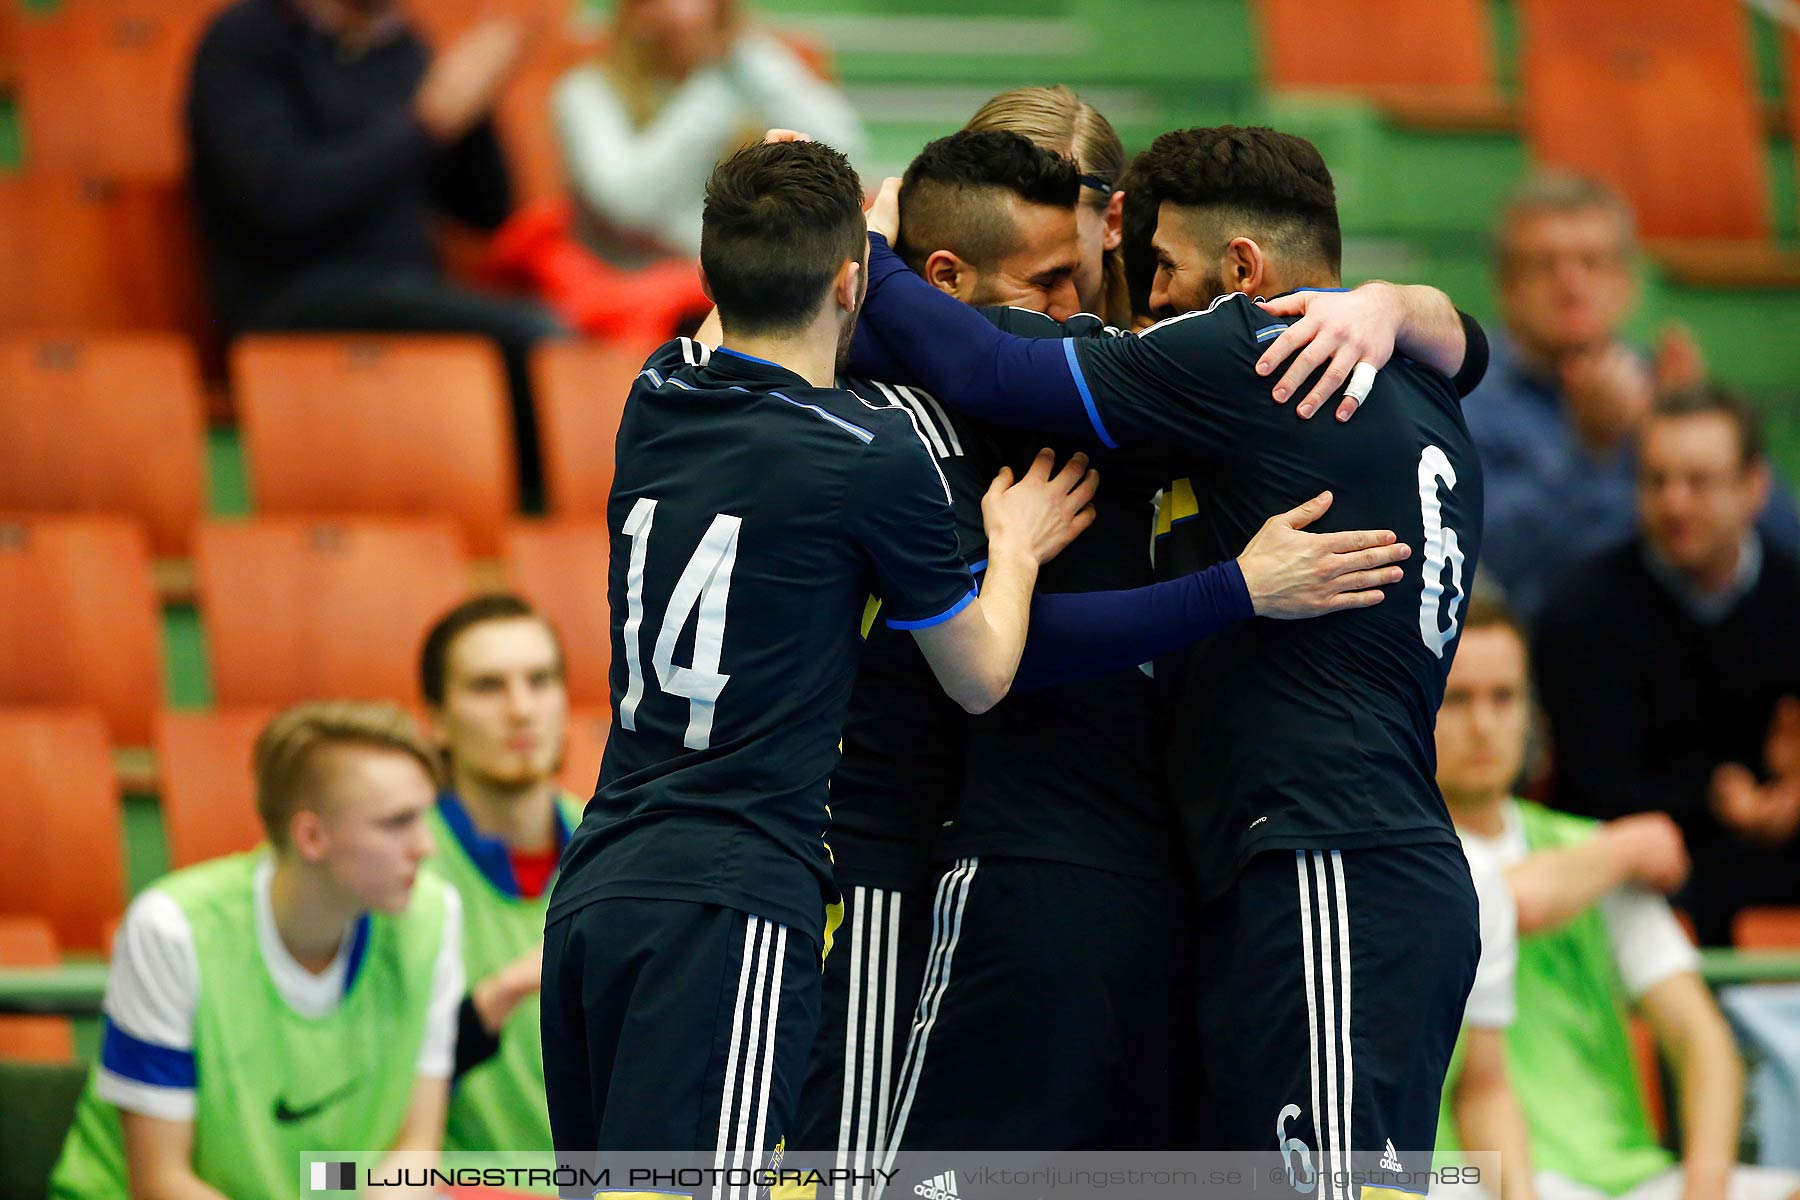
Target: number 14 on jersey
x,y
703,587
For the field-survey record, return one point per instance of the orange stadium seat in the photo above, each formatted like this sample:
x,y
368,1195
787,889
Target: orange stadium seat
x,y
412,424
104,423
91,253
1767,929
588,727
579,389
30,941
306,609
560,566
1374,46
78,619
61,836
101,85
204,783
1657,97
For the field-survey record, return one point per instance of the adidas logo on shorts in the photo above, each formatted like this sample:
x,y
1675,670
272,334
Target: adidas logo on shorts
x,y
1391,1161
939,1187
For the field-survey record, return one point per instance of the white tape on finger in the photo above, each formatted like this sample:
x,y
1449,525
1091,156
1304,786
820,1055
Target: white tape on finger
x,y
1361,380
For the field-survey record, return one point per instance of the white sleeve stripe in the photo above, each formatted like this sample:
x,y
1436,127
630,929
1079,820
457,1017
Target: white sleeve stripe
x,y
166,1103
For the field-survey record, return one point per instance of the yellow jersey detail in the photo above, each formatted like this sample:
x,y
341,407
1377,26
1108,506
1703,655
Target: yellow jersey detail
x,y
1178,504
870,610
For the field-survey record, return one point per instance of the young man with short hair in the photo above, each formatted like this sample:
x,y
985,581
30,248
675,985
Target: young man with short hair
x,y
1597,943
491,672
758,505
300,997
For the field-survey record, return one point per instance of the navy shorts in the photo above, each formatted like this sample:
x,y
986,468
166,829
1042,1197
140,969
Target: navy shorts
x,y
1048,1017
871,986
1330,993
675,1026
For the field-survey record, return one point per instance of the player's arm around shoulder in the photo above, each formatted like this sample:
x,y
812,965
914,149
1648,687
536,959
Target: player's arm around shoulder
x,y
975,654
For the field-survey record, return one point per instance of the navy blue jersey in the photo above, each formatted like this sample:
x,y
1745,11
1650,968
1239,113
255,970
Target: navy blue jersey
x,y
1072,774
751,515
904,738
1299,734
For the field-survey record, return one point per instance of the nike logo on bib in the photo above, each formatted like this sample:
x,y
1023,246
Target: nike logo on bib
x,y
287,1115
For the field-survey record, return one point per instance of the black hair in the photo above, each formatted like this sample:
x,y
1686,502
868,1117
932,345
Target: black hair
x,y
780,219
1137,230
1269,184
953,196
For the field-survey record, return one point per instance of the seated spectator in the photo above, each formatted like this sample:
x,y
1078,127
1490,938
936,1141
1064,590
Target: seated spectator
x,y
491,673
1668,666
1058,119
300,997
323,143
1565,398
681,84
1479,1111
1595,944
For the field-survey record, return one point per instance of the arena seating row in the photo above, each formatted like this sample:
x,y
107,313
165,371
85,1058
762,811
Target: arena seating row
x,y
292,607
1652,94
330,423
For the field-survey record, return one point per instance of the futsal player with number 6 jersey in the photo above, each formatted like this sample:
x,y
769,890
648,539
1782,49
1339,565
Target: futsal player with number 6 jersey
x,y
1336,926
754,508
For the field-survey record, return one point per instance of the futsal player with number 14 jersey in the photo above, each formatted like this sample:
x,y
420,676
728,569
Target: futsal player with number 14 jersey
x,y
754,508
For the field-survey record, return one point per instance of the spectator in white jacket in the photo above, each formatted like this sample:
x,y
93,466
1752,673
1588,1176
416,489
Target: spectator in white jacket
x,y
680,84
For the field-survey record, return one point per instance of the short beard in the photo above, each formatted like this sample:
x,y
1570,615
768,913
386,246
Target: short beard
x,y
846,335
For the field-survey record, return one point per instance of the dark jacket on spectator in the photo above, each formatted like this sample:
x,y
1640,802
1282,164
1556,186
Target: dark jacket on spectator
x,y
306,156
1645,698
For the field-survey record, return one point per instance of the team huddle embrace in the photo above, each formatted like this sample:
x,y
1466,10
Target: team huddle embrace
x,y
1032,487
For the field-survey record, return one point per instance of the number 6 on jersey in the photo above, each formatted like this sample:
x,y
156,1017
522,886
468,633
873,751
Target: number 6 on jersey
x,y
705,583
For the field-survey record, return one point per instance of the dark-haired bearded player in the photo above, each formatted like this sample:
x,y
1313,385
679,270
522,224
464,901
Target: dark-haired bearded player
x,y
1338,916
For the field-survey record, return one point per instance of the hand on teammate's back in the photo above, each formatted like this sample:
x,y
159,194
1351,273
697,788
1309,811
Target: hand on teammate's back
x,y
1656,856
1042,512
1292,574
465,81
